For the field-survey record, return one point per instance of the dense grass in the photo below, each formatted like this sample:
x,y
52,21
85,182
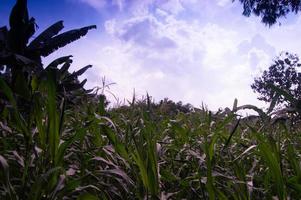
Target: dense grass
x,y
59,150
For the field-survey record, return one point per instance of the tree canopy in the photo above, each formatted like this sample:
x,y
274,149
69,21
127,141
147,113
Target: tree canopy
x,y
284,74
270,10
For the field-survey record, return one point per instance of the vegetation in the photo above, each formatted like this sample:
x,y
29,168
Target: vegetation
x,y
270,10
284,74
60,141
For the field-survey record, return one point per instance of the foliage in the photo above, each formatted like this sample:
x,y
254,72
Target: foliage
x,y
270,10
22,29
60,141
21,58
284,74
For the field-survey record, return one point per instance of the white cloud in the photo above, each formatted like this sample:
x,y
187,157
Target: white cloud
x,y
201,66
189,50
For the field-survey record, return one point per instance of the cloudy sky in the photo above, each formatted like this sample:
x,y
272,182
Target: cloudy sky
x,y
187,50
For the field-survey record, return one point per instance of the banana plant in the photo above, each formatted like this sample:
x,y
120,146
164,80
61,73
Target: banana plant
x,y
22,29
19,54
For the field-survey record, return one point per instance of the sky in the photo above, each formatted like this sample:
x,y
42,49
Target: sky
x,y
194,51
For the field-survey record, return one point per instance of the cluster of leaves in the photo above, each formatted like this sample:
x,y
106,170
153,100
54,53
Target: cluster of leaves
x,y
270,10
280,86
284,74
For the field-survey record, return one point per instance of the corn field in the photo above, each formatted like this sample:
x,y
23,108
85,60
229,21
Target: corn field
x,y
59,140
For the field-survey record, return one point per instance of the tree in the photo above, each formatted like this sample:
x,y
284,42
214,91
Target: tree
x,y
283,74
20,60
270,10
22,29
20,56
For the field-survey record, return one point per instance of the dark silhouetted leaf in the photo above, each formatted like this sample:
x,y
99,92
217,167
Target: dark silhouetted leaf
x,y
46,35
63,39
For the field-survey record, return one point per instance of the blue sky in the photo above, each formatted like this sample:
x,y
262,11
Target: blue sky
x,y
187,50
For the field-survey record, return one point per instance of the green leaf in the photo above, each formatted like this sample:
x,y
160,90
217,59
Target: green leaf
x,y
118,146
53,116
294,183
34,83
270,158
101,105
39,116
293,160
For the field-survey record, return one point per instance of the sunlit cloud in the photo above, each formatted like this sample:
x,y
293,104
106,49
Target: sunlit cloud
x,y
193,51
